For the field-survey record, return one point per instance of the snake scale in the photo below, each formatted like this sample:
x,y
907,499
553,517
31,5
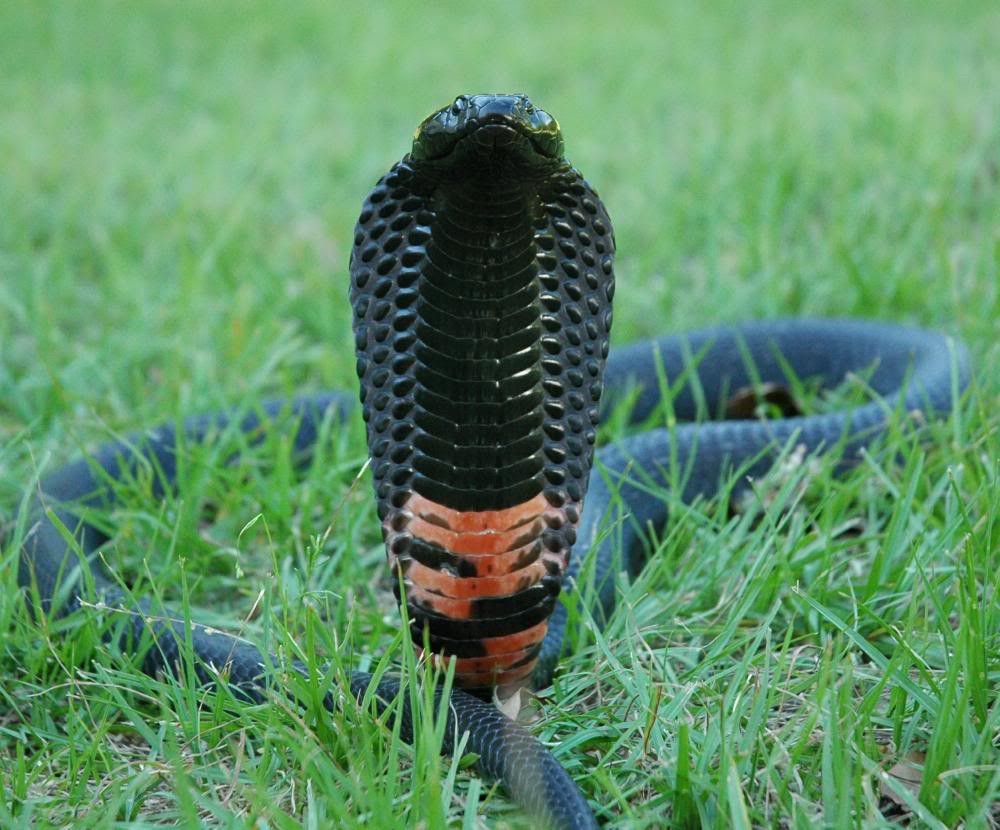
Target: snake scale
x,y
482,277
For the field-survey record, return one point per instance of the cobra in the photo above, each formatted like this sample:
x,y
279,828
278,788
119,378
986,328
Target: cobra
x,y
481,283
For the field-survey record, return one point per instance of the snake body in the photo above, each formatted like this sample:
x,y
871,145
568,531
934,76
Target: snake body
x,y
481,282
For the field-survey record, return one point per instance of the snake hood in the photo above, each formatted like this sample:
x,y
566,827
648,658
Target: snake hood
x,y
481,282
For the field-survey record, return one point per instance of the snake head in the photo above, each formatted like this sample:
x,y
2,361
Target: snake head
x,y
489,127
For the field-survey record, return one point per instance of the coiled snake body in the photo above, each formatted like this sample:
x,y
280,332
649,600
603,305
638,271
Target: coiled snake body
x,y
481,284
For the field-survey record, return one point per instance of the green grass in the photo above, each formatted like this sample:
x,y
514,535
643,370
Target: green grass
x,y
178,187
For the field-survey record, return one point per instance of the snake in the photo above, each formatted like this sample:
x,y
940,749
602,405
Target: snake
x,y
481,288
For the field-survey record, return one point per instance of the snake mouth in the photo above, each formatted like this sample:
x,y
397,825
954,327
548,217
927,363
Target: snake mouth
x,y
488,127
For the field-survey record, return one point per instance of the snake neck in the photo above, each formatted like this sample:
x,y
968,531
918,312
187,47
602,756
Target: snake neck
x,y
482,313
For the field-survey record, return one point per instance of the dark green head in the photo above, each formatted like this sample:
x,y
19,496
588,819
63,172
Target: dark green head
x,y
489,127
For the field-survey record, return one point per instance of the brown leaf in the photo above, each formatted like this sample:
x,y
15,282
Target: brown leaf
x,y
909,772
748,403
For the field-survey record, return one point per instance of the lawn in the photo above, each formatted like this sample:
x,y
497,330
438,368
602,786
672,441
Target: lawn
x,y
179,183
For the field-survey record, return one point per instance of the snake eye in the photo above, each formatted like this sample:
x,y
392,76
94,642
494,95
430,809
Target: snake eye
x,y
461,102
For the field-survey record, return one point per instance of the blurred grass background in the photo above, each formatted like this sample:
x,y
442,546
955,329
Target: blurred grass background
x,y
179,183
